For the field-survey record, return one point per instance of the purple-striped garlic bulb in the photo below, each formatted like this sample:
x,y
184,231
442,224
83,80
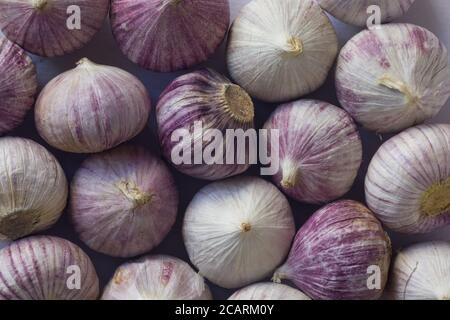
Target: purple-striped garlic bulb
x,y
421,272
33,188
52,27
341,252
156,278
238,231
358,12
408,180
123,202
18,85
320,150
393,76
169,35
281,50
92,108
190,109
46,268
268,291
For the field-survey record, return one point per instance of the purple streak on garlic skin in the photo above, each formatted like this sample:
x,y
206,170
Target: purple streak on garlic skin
x,y
156,278
40,26
393,76
92,108
18,85
211,98
333,251
123,202
169,35
268,291
408,180
39,268
320,150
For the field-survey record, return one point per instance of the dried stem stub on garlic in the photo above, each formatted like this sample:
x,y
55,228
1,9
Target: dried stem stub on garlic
x,y
281,50
268,291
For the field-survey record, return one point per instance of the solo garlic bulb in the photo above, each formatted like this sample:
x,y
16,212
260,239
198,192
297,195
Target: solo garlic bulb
x,y
408,180
46,268
355,12
281,50
421,272
33,188
156,278
52,27
123,202
393,76
18,85
190,108
169,35
92,108
238,231
268,291
320,150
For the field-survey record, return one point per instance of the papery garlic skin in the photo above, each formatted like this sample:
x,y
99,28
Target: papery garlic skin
x,y
169,35
207,98
18,85
33,188
393,76
355,12
408,181
238,231
421,272
281,50
123,202
335,253
156,278
320,150
268,291
50,27
43,268
92,108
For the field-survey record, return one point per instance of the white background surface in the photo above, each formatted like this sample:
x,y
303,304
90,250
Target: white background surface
x,y
432,14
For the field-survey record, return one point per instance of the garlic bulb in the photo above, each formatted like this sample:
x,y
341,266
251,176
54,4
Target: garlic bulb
x,y
268,291
123,202
197,103
169,35
92,108
156,278
320,150
408,180
46,268
393,76
18,85
238,231
281,50
356,12
33,188
421,272
52,27
341,252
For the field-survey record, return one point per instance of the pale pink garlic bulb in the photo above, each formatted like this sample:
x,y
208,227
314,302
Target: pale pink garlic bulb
x,y
52,27
320,150
123,202
156,278
46,268
268,291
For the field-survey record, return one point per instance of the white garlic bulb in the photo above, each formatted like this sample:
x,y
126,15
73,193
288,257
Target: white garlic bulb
x,y
421,272
393,76
358,13
268,291
238,231
46,268
408,180
156,278
33,188
281,50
